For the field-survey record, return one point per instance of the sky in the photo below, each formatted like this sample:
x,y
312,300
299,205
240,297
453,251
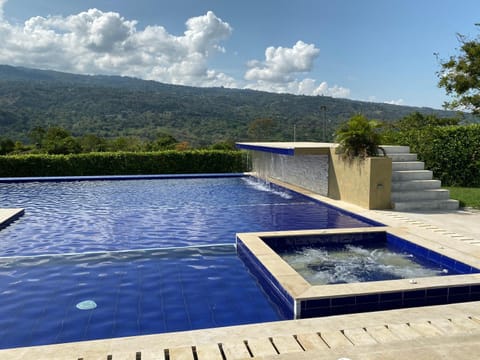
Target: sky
x,y
370,50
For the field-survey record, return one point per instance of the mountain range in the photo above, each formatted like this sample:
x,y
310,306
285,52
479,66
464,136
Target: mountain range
x,y
113,106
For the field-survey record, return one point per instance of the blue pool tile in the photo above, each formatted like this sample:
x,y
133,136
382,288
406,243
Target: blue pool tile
x,y
389,305
475,289
458,290
367,307
415,294
437,300
342,301
437,292
367,299
316,303
414,302
393,296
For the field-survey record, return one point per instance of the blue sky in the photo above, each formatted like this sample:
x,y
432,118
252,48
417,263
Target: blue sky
x,y
372,50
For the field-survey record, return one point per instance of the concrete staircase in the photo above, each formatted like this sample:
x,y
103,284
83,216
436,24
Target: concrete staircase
x,y
413,187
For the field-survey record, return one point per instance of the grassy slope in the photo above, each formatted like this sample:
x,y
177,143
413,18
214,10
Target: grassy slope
x,y
469,197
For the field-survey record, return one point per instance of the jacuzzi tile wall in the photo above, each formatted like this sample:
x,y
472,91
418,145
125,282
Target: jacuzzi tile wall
x,y
281,298
378,301
388,301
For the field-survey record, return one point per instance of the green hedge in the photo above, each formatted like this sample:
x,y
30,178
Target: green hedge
x,y
123,163
451,152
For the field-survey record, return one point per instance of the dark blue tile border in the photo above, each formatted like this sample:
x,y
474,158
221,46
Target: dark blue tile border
x,y
388,301
118,177
274,150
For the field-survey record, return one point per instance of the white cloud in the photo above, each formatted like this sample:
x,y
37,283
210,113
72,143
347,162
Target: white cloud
x,y
279,71
395,102
282,63
97,42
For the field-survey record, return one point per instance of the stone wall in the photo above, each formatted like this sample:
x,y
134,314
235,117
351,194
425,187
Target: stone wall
x,y
307,171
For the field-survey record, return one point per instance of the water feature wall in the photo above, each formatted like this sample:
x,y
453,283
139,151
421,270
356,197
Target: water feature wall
x,y
307,171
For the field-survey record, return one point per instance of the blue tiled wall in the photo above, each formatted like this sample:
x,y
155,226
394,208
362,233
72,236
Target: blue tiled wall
x,y
277,294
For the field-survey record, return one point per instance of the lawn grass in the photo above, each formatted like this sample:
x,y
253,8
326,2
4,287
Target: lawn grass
x,y
469,197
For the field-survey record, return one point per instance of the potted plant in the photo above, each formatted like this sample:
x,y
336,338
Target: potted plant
x,y
359,138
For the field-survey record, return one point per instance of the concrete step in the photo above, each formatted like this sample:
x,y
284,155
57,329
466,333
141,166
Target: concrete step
x,y
408,165
416,185
395,149
434,194
426,205
402,157
412,175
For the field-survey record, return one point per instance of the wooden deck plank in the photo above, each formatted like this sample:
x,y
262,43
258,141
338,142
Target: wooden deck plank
x,y
286,344
208,352
358,336
181,353
235,350
426,329
382,334
404,332
335,339
311,341
261,347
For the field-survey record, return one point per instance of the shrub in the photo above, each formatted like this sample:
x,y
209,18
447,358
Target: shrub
x,y
123,163
451,152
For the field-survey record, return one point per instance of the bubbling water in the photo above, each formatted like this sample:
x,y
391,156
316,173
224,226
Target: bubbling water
x,y
356,263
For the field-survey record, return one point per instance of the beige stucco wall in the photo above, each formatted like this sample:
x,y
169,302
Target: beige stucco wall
x,y
366,182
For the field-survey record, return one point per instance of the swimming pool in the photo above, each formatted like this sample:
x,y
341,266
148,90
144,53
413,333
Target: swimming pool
x,y
154,255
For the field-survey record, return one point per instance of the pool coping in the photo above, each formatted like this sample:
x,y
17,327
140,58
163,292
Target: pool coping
x,y
7,216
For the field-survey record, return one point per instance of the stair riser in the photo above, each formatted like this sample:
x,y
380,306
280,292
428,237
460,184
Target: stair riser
x,y
414,175
420,195
394,149
416,185
403,157
427,205
408,165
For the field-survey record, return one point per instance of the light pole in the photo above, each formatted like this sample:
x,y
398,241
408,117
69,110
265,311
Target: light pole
x,y
324,124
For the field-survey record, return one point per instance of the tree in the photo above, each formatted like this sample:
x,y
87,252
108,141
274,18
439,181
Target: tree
x,y
359,137
6,146
460,76
57,140
261,129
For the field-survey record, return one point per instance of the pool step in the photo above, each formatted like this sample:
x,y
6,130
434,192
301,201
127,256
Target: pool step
x,y
424,194
449,204
413,186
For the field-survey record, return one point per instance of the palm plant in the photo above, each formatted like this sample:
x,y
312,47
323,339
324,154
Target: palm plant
x,y
359,137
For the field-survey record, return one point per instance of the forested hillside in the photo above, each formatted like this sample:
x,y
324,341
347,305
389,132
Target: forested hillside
x,y
112,106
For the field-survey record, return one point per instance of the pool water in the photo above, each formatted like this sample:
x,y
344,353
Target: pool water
x,y
351,263
153,255
136,293
73,217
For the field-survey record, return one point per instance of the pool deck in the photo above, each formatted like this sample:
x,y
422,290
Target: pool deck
x,y
434,332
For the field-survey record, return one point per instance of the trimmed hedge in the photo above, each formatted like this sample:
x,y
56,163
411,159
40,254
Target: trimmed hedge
x,y
124,163
451,152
